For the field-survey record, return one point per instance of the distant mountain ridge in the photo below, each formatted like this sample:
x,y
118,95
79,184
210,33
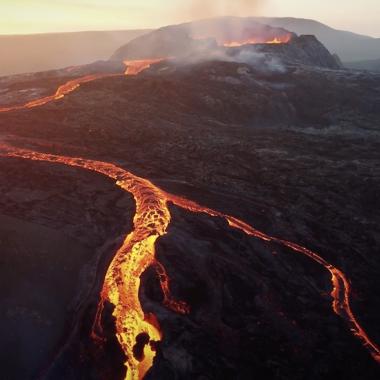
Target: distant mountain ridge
x,y
33,53
209,39
371,65
349,46
42,52
191,37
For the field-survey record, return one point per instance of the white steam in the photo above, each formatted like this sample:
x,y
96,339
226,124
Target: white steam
x,y
258,60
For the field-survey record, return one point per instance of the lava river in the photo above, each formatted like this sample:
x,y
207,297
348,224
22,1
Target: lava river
x,y
133,67
257,40
137,253
63,90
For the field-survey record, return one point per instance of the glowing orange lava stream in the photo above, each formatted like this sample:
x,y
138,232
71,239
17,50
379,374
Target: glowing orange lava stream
x,y
63,90
134,67
137,253
253,41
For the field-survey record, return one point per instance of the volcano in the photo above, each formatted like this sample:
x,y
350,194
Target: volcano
x,y
185,39
202,205
216,39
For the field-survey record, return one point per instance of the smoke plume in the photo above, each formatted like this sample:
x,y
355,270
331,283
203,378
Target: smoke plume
x,y
214,8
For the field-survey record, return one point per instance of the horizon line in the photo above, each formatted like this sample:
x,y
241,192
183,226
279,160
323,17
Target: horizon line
x,y
151,28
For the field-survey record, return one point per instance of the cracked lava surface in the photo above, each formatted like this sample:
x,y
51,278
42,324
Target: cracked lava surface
x,y
137,253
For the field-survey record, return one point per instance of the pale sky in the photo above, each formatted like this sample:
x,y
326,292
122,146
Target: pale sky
x,y
35,16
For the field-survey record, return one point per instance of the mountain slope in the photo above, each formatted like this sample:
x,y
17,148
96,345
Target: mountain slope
x,y
39,52
291,153
229,38
193,37
349,46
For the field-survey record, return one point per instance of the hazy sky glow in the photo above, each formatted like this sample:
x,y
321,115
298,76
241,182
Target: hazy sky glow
x,y
34,16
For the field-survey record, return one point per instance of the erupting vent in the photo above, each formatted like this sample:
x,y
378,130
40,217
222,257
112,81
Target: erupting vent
x,y
239,35
257,40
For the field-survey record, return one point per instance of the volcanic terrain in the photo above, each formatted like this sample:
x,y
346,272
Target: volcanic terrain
x,y
209,211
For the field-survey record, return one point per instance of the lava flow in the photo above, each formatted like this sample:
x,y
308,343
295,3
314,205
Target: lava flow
x,y
62,90
257,40
341,288
137,253
136,66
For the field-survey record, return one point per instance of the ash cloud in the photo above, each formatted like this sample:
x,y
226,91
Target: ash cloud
x,y
216,8
203,9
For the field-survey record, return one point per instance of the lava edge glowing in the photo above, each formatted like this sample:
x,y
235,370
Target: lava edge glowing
x,y
137,253
122,282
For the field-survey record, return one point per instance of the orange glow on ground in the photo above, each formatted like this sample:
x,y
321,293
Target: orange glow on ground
x,y
257,40
136,66
341,288
179,307
63,90
122,281
137,253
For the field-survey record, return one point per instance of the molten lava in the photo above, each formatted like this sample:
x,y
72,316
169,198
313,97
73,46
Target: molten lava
x,y
122,281
133,68
257,40
137,253
136,66
63,90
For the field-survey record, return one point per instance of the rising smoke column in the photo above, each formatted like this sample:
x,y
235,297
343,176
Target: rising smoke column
x,y
216,8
